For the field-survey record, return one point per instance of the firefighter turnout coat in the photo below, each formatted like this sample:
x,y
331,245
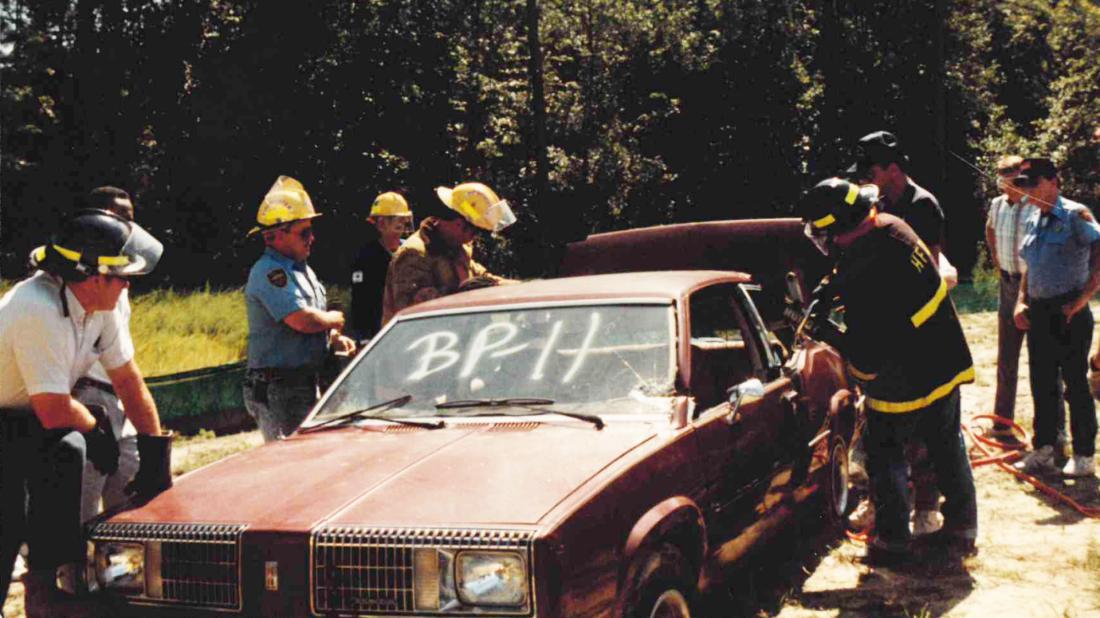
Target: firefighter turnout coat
x,y
902,338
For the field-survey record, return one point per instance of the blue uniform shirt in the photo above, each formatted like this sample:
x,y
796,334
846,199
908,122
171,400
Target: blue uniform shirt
x,y
1056,249
277,287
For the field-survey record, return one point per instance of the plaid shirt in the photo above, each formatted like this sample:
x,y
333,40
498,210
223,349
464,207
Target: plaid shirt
x,y
1007,222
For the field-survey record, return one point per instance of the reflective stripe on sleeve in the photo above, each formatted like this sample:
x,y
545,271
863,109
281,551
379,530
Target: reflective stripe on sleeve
x,y
920,317
895,407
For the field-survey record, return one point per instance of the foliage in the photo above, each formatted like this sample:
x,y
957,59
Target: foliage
x,y
179,331
606,114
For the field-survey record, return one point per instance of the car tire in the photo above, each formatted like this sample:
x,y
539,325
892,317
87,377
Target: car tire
x,y
666,587
835,495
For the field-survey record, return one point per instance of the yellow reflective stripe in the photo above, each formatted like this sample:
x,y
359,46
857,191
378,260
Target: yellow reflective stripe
x,y
853,193
39,254
67,253
823,221
931,306
104,260
894,407
866,377
114,260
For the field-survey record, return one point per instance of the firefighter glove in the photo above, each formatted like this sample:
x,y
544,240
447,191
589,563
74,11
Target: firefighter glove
x,y
154,473
101,443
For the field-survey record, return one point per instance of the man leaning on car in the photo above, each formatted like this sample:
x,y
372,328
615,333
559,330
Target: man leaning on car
x,y
898,315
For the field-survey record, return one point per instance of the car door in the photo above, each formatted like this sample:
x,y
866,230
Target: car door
x,y
743,453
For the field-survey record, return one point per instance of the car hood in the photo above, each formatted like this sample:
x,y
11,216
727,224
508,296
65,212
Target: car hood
x,y
504,473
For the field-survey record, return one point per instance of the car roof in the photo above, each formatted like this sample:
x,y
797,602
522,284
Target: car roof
x,y
659,286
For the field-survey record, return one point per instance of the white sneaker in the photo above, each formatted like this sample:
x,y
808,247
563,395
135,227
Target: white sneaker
x,y
863,517
20,568
1040,461
1079,465
925,522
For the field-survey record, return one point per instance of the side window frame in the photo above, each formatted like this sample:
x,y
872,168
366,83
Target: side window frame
x,y
768,364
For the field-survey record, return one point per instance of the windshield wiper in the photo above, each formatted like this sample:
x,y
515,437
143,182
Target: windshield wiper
x,y
377,408
519,402
494,403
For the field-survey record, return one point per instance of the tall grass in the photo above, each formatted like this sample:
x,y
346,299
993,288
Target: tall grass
x,y
179,331
982,292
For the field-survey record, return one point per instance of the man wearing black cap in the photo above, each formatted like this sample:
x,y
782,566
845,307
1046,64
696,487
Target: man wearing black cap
x,y
1061,249
881,161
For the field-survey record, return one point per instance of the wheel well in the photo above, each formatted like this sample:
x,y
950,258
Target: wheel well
x,y
676,521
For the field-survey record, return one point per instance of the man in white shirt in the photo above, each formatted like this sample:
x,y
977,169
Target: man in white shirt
x,y
53,327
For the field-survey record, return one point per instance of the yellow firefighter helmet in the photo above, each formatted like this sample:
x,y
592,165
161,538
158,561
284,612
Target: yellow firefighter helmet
x,y
478,204
286,201
390,204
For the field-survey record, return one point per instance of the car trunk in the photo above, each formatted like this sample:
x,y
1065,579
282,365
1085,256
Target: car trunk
x,y
767,249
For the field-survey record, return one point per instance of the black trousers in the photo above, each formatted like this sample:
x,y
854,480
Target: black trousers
x,y
1054,346
40,485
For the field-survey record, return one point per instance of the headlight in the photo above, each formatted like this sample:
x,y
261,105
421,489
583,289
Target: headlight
x,y
491,578
120,567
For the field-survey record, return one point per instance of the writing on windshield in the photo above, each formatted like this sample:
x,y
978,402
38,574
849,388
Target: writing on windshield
x,y
570,354
442,349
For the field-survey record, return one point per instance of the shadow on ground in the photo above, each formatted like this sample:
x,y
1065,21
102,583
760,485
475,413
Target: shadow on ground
x,y
775,577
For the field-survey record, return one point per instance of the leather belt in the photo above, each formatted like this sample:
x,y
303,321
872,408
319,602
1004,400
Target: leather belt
x,y
87,382
290,376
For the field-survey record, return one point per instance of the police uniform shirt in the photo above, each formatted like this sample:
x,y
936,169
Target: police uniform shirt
x,y
277,287
921,210
368,282
903,337
1056,248
44,351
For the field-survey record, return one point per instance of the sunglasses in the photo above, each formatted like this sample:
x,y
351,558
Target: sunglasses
x,y
1024,181
305,233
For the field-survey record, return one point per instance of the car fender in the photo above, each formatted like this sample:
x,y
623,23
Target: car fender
x,y
677,520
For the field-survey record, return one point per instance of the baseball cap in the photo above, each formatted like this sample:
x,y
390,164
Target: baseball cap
x,y
881,147
1031,170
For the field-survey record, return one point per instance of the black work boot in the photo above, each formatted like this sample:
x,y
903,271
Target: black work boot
x,y
43,599
154,473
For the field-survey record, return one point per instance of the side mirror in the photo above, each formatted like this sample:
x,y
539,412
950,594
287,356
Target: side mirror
x,y
749,388
794,291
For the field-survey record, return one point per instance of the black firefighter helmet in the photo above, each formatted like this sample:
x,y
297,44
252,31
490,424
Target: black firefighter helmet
x,y
98,242
834,206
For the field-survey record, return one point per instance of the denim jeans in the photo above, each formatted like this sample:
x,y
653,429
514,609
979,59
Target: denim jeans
x,y
1053,346
40,475
886,440
278,404
1009,341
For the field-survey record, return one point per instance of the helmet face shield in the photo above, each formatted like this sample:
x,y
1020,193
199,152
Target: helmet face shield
x,y
499,216
142,253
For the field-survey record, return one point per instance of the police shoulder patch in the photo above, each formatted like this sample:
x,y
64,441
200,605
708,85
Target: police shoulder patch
x,y
277,277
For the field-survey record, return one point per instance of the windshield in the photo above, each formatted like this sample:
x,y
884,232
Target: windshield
x,y
571,355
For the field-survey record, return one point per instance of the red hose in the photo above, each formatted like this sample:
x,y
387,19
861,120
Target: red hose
x,y
986,457
981,442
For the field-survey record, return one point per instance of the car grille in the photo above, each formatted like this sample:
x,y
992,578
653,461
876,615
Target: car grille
x,y
371,569
199,563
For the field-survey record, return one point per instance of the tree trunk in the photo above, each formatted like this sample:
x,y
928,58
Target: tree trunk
x,y
538,106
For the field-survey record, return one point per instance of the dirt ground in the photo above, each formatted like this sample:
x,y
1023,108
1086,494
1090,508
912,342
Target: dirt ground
x,y
1036,557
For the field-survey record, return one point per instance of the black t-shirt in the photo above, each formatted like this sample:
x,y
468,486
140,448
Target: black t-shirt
x,y
368,281
921,210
